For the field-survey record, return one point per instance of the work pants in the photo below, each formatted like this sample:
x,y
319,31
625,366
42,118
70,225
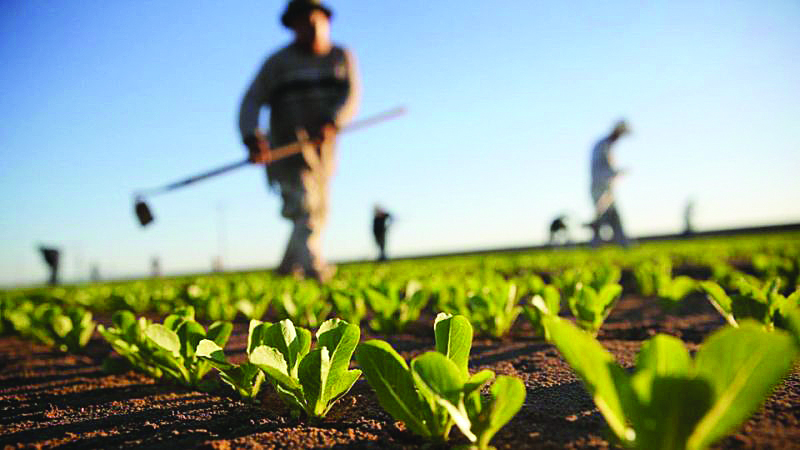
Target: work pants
x,y
304,191
607,214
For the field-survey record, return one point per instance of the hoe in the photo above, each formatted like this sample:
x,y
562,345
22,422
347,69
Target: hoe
x,y
145,216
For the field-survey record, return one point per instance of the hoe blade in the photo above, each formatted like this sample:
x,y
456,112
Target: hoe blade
x,y
143,213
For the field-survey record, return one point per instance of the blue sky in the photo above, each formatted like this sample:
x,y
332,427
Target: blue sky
x,y
505,101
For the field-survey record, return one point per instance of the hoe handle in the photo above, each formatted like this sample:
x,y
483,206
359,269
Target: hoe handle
x,y
276,153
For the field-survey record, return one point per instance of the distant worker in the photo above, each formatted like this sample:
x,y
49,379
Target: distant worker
x,y
559,234
94,274
603,176
51,257
687,217
311,87
155,267
380,224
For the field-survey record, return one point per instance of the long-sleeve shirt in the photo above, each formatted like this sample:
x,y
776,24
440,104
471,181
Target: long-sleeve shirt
x,y
302,90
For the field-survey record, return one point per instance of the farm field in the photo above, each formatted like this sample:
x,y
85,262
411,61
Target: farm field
x,y
72,389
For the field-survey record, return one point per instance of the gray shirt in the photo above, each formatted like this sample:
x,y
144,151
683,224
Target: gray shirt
x,y
302,90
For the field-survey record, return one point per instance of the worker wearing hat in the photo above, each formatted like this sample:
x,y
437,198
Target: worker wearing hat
x,y
311,88
603,175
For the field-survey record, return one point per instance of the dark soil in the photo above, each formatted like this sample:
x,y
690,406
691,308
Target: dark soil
x,y
48,398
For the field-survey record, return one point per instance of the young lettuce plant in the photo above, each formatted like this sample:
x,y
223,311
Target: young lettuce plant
x,y
569,280
307,381
254,306
350,304
245,378
545,302
66,328
763,304
127,338
436,391
670,401
655,279
304,304
495,309
591,307
394,305
167,349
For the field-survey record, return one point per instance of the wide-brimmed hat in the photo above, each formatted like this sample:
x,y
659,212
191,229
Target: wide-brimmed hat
x,y
295,7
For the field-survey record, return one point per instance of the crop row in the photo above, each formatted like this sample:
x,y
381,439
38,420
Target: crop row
x,y
670,400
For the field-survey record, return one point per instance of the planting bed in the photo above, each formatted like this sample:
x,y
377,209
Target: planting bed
x,y
49,398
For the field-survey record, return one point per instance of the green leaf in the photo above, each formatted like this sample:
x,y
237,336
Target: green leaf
x,y
255,334
596,367
477,381
719,299
435,374
454,339
62,325
293,343
164,338
190,334
219,332
271,361
341,339
742,366
213,352
313,375
123,320
341,385
664,355
390,378
507,398
668,409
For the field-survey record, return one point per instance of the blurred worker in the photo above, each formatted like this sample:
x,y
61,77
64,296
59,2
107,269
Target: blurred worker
x,y
688,212
51,256
380,223
94,274
155,267
311,87
558,231
603,175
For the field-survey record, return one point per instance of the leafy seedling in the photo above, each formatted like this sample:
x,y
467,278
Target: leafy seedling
x,y
65,328
763,304
308,381
394,305
494,310
545,302
591,307
166,349
245,378
436,391
671,401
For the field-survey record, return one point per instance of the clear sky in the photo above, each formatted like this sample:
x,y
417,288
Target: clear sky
x,y
505,100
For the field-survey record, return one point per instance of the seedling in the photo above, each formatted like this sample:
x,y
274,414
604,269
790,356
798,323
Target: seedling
x,y
168,349
545,302
495,309
437,391
763,304
245,378
591,307
655,279
394,305
671,401
65,328
307,381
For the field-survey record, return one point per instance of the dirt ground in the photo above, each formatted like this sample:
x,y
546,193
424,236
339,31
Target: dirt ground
x,y
48,398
